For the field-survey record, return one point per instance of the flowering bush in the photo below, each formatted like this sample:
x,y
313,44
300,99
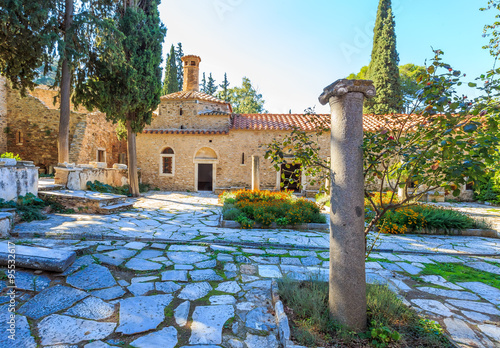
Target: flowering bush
x,y
266,207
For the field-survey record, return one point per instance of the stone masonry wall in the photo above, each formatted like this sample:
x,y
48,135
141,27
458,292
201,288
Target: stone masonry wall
x,y
3,115
38,121
94,133
169,116
230,172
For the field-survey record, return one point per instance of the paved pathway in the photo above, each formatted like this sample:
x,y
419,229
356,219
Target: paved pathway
x,y
215,294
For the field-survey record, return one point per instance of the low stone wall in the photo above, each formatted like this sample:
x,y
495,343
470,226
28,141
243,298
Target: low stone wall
x,y
17,179
76,177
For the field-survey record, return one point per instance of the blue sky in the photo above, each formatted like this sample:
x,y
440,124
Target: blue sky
x,y
292,49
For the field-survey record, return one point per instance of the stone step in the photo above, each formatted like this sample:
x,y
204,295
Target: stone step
x,y
85,201
36,257
48,184
111,209
6,223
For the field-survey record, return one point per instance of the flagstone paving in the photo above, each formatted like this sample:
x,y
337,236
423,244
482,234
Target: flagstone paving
x,y
158,290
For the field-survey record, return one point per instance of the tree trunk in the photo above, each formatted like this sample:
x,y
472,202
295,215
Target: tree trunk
x,y
63,139
133,179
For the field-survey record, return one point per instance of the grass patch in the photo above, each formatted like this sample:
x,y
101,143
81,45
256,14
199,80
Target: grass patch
x,y
460,273
391,323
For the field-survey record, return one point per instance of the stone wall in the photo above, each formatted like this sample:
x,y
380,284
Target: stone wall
x,y
33,127
230,171
17,180
169,116
3,114
76,178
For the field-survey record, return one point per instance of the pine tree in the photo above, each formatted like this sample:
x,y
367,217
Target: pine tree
x,y
224,93
170,83
246,99
128,60
384,70
211,87
179,53
203,84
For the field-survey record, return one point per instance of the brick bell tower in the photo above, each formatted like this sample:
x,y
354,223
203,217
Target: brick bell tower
x,y
191,73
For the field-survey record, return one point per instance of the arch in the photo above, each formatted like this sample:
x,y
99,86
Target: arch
x,y
204,154
167,151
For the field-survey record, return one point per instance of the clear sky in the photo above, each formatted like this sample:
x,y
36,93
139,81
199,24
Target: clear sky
x,y
292,49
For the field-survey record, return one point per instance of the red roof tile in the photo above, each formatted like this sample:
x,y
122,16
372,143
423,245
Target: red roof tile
x,y
194,95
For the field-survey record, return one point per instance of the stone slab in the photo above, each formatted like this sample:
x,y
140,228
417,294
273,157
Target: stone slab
x,y
91,308
195,291
461,295
142,313
30,281
167,287
91,278
487,292
56,329
139,289
231,287
109,293
181,313
51,300
481,307
165,338
205,274
461,332
186,258
222,300
208,322
433,306
259,319
175,275
269,271
492,331
23,338
139,264
35,257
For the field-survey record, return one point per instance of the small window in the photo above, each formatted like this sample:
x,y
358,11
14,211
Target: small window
x,y
243,158
167,162
193,63
180,111
19,137
101,155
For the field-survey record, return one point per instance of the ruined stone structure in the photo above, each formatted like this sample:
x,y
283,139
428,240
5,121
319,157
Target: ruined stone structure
x,y
30,128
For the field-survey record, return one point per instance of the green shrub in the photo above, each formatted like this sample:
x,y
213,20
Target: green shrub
x,y
244,221
10,155
231,214
98,186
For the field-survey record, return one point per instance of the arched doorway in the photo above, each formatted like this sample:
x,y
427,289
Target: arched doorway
x,y
205,161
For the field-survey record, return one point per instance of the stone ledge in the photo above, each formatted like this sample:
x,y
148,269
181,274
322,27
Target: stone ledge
x,y
274,226
469,232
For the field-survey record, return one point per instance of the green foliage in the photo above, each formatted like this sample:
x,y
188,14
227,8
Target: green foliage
x,y
244,221
10,155
410,86
179,53
418,217
171,83
231,214
454,272
127,60
27,207
266,207
489,191
383,68
223,94
246,99
491,30
98,186
392,323
211,86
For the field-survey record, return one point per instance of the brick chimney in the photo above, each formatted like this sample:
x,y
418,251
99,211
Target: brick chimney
x,y
191,73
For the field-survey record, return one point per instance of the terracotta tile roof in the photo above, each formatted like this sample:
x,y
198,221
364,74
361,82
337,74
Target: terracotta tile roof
x,y
305,122
275,121
193,95
184,131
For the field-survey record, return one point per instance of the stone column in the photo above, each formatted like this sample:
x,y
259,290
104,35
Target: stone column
x,y
255,173
347,286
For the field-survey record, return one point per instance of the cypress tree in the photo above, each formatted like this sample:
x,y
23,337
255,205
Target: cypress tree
x,y
179,53
211,87
383,8
170,83
384,70
125,81
203,84
224,93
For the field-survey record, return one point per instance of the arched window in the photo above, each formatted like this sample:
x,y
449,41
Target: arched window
x,y
167,162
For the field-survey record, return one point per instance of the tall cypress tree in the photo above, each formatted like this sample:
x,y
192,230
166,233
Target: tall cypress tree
x,y
224,93
179,53
125,81
383,8
384,70
170,83
203,84
211,87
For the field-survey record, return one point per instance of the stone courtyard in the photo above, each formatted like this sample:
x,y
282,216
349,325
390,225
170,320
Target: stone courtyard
x,y
164,275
